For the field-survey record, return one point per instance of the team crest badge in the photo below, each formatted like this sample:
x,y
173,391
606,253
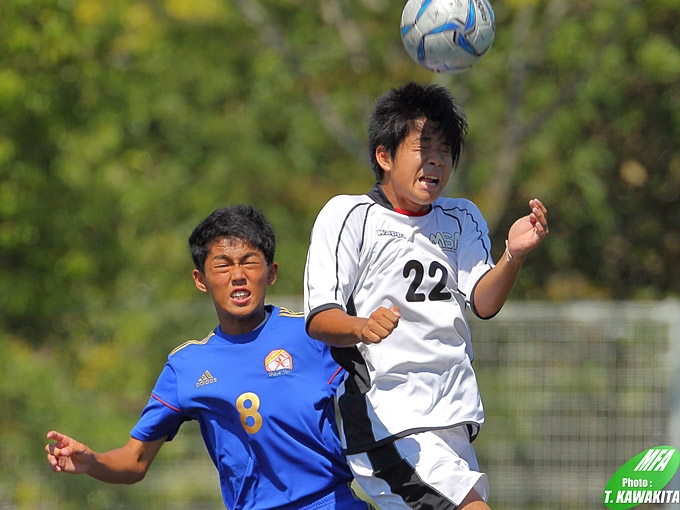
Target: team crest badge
x,y
278,362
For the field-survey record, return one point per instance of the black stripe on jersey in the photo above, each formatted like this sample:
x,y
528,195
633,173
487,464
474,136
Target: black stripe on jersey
x,y
352,402
487,249
338,243
351,307
472,302
403,480
351,360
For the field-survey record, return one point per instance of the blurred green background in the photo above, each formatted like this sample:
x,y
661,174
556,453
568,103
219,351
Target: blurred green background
x,y
124,123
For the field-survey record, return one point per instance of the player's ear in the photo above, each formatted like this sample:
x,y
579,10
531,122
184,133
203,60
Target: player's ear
x,y
383,158
272,271
199,280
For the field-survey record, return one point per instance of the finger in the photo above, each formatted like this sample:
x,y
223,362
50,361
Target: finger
x,y
380,328
374,332
540,213
383,326
54,464
57,436
543,222
371,335
536,203
541,229
55,451
386,318
372,338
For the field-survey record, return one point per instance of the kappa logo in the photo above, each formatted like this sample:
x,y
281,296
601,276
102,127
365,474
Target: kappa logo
x,y
206,378
391,233
278,362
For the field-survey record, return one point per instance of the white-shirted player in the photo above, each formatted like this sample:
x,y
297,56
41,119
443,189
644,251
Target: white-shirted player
x,y
388,277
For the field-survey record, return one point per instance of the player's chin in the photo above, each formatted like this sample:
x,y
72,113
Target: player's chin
x,y
428,194
236,307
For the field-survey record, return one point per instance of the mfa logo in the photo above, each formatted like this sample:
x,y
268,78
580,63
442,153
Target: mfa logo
x,y
642,479
445,240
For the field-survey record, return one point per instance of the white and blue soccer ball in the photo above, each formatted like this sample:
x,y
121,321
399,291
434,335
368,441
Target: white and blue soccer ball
x,y
447,36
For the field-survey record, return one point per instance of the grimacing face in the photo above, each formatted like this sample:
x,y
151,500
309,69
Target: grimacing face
x,y
420,169
236,276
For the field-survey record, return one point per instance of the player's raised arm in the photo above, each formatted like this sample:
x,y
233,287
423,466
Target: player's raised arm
x,y
524,235
335,328
127,464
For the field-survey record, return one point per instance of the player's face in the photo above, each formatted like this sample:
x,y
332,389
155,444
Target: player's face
x,y
420,169
236,275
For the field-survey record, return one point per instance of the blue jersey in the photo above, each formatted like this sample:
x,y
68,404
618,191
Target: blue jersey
x,y
264,401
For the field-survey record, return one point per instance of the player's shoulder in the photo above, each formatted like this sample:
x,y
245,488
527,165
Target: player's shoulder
x,y
288,326
286,318
453,202
282,317
345,211
204,341
287,313
339,203
456,205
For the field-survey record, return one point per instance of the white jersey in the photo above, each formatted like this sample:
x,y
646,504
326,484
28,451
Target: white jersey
x,y
364,255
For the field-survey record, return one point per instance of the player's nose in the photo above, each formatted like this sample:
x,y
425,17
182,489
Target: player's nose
x,y
238,274
435,158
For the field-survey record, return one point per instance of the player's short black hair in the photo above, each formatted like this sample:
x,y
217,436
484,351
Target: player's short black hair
x,y
242,222
395,114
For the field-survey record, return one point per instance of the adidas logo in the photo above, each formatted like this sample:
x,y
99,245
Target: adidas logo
x,y
206,378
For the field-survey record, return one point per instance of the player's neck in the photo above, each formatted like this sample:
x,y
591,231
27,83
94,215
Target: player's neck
x,y
235,325
402,204
412,213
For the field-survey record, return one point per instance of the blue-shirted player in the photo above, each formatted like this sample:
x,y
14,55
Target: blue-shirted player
x,y
260,388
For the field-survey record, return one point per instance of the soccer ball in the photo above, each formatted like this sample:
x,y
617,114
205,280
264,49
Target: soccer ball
x,y
447,36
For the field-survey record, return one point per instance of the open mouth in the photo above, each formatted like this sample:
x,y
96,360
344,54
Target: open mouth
x,y
240,294
429,180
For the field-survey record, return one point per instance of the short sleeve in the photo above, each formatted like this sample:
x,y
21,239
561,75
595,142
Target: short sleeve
x,y
162,416
331,269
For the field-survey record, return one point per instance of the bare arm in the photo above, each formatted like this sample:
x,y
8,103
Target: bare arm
x,y
127,464
335,328
526,233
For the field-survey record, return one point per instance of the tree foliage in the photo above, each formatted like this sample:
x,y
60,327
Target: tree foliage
x,y
122,124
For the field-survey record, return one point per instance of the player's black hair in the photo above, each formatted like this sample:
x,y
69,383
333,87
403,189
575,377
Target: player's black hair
x,y
395,114
242,222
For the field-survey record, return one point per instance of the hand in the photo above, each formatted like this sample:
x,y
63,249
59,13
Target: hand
x,y
379,325
529,231
68,455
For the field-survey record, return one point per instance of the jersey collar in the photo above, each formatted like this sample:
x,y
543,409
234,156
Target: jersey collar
x,y
378,195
